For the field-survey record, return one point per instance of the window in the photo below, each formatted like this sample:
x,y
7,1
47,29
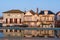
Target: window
x,y
58,17
20,30
6,30
6,20
11,20
20,20
43,18
15,20
50,18
40,18
15,30
46,18
11,30
46,12
44,26
47,26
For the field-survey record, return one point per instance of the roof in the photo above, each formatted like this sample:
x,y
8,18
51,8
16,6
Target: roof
x,y
57,12
49,12
37,14
14,11
31,11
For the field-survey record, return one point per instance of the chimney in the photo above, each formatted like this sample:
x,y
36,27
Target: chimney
x,y
37,10
24,11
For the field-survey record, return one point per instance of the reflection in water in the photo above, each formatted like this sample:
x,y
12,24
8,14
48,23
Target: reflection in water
x,y
6,39
1,34
29,38
19,38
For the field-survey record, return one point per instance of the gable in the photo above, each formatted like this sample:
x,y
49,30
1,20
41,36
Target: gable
x,y
28,13
58,13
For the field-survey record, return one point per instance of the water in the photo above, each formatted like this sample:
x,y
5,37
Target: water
x,y
25,38
29,38
1,34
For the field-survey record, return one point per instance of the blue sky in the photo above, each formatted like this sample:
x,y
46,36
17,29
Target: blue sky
x,y
53,5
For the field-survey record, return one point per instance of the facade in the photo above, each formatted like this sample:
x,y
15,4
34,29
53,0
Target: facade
x,y
58,15
57,21
30,18
13,17
44,19
47,19
1,21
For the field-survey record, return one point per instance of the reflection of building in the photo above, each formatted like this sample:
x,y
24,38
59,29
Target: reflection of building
x,y
45,19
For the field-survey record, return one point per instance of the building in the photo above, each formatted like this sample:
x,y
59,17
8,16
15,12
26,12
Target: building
x,y
47,20
1,21
47,17
44,19
57,21
13,17
30,18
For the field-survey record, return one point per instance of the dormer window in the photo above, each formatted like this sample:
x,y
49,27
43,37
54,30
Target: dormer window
x,y
45,12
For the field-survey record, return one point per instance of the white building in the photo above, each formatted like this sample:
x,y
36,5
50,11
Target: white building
x,y
30,18
13,17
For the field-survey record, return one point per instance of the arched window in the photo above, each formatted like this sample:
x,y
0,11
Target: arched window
x,y
6,20
6,30
11,20
11,30
20,20
15,20
15,30
20,30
